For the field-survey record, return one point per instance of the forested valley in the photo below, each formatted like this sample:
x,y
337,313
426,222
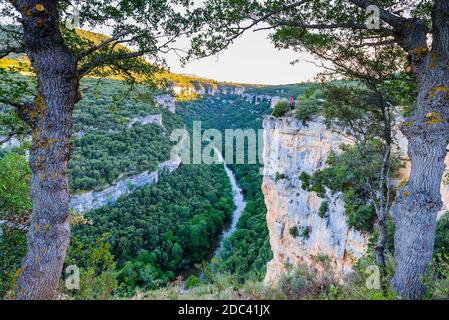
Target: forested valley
x,y
102,195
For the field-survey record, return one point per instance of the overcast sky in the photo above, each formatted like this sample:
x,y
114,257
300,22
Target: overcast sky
x,y
251,59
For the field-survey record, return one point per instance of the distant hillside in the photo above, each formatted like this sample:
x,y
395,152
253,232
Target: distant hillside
x,y
185,86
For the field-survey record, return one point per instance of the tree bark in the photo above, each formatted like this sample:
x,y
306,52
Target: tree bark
x,y
427,130
50,118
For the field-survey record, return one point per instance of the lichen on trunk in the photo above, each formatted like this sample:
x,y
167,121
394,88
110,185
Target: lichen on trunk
x,y
50,119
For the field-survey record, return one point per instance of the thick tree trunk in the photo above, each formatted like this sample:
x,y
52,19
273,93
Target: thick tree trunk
x,y
417,204
50,119
427,130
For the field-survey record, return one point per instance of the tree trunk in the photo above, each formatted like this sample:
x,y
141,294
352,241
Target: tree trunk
x,y
427,130
417,204
383,191
50,118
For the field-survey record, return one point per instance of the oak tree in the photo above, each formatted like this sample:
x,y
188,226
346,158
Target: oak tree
x,y
59,57
420,28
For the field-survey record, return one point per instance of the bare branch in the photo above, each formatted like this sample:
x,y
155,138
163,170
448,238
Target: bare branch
x,y
103,60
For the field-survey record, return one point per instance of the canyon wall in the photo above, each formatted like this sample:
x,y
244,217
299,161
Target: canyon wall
x,y
297,232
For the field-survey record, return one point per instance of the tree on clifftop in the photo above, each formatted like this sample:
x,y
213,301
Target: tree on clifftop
x,y
420,28
59,58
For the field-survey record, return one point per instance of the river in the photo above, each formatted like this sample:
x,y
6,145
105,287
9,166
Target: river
x,y
239,205
228,230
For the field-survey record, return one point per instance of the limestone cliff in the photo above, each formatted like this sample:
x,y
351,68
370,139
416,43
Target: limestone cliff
x,y
289,149
297,233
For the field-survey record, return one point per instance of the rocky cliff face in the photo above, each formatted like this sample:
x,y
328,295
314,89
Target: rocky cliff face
x,y
297,233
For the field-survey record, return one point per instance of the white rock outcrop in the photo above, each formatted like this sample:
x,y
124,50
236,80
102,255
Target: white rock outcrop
x,y
167,101
149,119
289,149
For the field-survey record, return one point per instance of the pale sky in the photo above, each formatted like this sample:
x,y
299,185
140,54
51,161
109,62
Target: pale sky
x,y
252,58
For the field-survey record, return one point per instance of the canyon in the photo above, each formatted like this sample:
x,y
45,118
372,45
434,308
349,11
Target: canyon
x,y
290,148
96,199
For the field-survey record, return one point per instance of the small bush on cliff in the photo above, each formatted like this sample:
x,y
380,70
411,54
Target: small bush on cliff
x,y
324,209
294,232
280,176
280,109
305,112
306,231
312,184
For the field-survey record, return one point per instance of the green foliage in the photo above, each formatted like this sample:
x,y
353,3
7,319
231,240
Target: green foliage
x,y
324,209
301,282
15,174
311,184
15,207
293,231
223,112
305,232
442,235
161,229
309,104
100,158
245,253
192,281
437,278
143,273
12,250
97,268
280,109
280,176
347,173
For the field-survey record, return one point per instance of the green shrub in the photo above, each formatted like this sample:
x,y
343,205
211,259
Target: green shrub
x,y
294,232
442,235
302,282
280,109
306,231
324,208
280,176
437,278
312,183
98,275
192,282
305,112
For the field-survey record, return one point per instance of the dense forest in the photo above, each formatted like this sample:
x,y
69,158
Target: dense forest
x,y
159,230
246,252
77,113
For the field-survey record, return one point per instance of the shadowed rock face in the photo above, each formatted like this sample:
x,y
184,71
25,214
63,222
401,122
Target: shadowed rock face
x,y
289,149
